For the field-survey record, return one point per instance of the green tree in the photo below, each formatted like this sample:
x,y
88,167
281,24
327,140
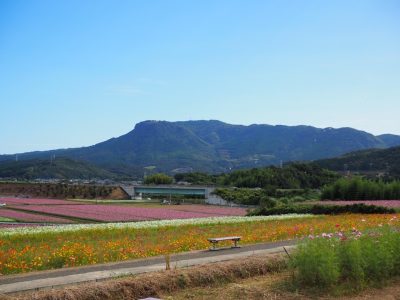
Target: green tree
x,y
158,178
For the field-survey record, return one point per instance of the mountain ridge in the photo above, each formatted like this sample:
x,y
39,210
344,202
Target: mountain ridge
x,y
214,146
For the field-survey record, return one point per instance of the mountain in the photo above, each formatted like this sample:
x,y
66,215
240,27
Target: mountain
x,y
214,146
59,168
366,161
390,140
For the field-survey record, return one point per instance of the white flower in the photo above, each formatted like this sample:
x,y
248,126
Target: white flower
x,y
147,224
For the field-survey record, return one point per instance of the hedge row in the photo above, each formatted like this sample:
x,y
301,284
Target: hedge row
x,y
322,209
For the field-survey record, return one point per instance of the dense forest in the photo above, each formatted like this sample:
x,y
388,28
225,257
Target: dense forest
x,y
361,189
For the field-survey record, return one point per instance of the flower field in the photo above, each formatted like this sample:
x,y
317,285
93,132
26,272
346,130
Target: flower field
x,y
29,217
23,250
115,213
61,211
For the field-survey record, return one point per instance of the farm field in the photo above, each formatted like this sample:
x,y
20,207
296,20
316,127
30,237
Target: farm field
x,y
30,217
39,248
58,211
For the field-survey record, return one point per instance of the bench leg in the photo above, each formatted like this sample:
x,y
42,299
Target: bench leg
x,y
213,246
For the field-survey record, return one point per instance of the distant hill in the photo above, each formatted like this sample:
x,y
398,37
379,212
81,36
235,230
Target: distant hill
x,y
214,146
390,140
59,168
374,160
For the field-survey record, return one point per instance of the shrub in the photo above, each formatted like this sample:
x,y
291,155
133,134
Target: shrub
x,y
322,209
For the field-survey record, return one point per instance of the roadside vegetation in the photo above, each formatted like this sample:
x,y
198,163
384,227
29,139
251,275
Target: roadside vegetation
x,y
347,261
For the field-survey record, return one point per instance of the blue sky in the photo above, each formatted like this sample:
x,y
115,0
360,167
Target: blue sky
x,y
74,73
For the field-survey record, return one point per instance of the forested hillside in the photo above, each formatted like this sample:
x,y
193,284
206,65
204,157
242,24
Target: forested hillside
x,y
54,168
384,161
214,147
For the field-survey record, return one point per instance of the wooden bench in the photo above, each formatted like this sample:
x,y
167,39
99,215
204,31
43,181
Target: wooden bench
x,y
214,241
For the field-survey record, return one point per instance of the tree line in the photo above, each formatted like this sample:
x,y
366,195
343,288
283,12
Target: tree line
x,y
293,176
361,189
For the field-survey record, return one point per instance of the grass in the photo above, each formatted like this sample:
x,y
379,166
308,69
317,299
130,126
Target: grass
x,y
347,262
3,219
49,250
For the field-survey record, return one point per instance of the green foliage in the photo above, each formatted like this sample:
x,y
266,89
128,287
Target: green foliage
x,y
361,189
158,178
197,178
265,197
317,263
246,196
321,209
349,260
372,161
293,176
